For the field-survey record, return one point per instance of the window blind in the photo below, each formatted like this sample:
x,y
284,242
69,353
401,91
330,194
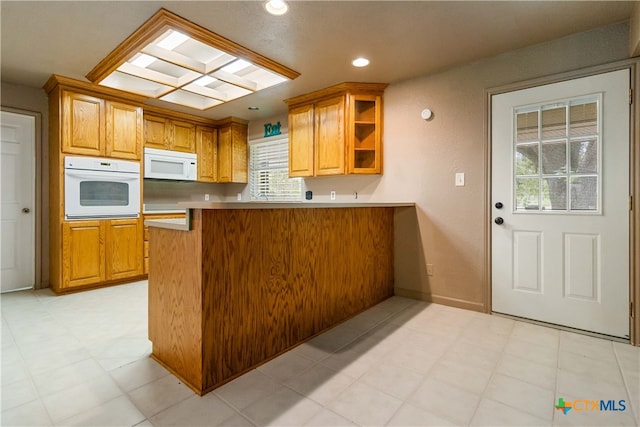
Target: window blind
x,y
269,172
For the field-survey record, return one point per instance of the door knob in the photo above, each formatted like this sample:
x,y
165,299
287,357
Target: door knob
x,y
26,210
499,220
499,205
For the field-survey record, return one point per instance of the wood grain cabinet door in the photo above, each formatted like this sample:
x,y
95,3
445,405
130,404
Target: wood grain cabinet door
x,y
124,257
301,141
83,253
207,150
329,136
232,153
183,136
82,124
124,131
156,132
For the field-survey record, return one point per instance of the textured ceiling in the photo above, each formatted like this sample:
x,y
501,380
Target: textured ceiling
x,y
316,38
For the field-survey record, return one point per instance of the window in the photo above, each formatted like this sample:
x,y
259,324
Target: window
x,y
269,172
557,156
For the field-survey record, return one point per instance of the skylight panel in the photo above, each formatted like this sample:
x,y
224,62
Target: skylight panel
x,y
175,60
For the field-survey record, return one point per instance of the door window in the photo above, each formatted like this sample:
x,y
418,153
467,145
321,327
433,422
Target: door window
x,y
557,157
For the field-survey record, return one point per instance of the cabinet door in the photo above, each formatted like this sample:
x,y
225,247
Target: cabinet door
x,y
183,136
232,154
301,141
124,256
329,135
207,150
82,124
124,131
82,253
156,132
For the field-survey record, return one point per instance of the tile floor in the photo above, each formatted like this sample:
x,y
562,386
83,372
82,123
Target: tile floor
x,y
82,359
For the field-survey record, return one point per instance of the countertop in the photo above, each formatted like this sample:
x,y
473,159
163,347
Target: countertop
x,y
185,224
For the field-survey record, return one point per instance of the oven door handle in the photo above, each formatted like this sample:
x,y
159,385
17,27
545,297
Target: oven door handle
x,y
104,176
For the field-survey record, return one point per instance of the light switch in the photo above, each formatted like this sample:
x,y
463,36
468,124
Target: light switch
x,y
460,179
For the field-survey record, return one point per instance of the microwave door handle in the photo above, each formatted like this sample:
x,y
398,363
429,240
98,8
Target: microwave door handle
x,y
102,176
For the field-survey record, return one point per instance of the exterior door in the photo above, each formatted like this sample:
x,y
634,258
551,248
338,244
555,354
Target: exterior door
x,y
560,195
17,216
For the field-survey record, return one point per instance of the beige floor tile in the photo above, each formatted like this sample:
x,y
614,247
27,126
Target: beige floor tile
x,y
18,394
415,358
283,408
409,415
492,413
536,334
527,371
589,386
138,373
117,412
591,367
395,380
159,395
351,363
320,383
365,405
522,396
445,400
80,398
591,347
247,389
286,366
466,352
195,411
533,352
327,418
56,380
29,414
462,375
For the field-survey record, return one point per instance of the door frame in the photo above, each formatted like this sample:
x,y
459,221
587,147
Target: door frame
x,y
633,65
38,195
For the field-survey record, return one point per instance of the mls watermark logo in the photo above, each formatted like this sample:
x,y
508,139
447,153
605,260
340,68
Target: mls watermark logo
x,y
584,405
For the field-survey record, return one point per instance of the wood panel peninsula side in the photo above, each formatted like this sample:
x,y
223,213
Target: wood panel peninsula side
x,y
240,283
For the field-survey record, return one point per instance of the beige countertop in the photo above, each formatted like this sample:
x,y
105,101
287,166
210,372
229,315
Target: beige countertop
x,y
185,224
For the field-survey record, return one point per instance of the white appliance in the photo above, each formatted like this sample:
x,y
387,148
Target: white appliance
x,y
101,188
165,164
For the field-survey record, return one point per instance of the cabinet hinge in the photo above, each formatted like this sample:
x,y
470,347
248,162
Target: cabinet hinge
x,y
630,203
630,96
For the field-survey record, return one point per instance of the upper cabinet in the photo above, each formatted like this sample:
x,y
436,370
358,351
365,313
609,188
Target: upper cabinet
x,y
336,131
93,126
232,151
169,134
207,151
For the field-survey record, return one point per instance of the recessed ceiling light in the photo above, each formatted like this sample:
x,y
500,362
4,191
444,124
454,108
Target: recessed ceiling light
x,y
360,62
276,7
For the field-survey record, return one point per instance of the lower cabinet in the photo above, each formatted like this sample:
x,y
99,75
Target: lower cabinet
x,y
100,251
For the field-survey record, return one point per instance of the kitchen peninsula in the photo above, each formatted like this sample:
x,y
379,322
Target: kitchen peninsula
x,y
240,283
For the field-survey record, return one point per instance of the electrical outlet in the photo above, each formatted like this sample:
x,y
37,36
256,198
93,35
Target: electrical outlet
x,y
206,197
333,195
429,269
460,179
239,196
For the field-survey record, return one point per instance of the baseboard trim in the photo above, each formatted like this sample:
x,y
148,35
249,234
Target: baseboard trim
x,y
439,299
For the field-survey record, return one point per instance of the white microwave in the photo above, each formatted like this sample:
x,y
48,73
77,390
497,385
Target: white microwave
x,y
174,165
101,188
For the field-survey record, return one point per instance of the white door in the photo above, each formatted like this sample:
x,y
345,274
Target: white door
x,y
17,199
560,170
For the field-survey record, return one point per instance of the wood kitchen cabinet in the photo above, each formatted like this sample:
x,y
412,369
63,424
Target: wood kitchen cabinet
x,y
97,251
336,131
168,134
232,152
207,151
93,126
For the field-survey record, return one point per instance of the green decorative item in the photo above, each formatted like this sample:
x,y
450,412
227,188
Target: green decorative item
x,y
271,129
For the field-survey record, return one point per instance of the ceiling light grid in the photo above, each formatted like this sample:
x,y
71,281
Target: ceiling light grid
x,y
174,60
